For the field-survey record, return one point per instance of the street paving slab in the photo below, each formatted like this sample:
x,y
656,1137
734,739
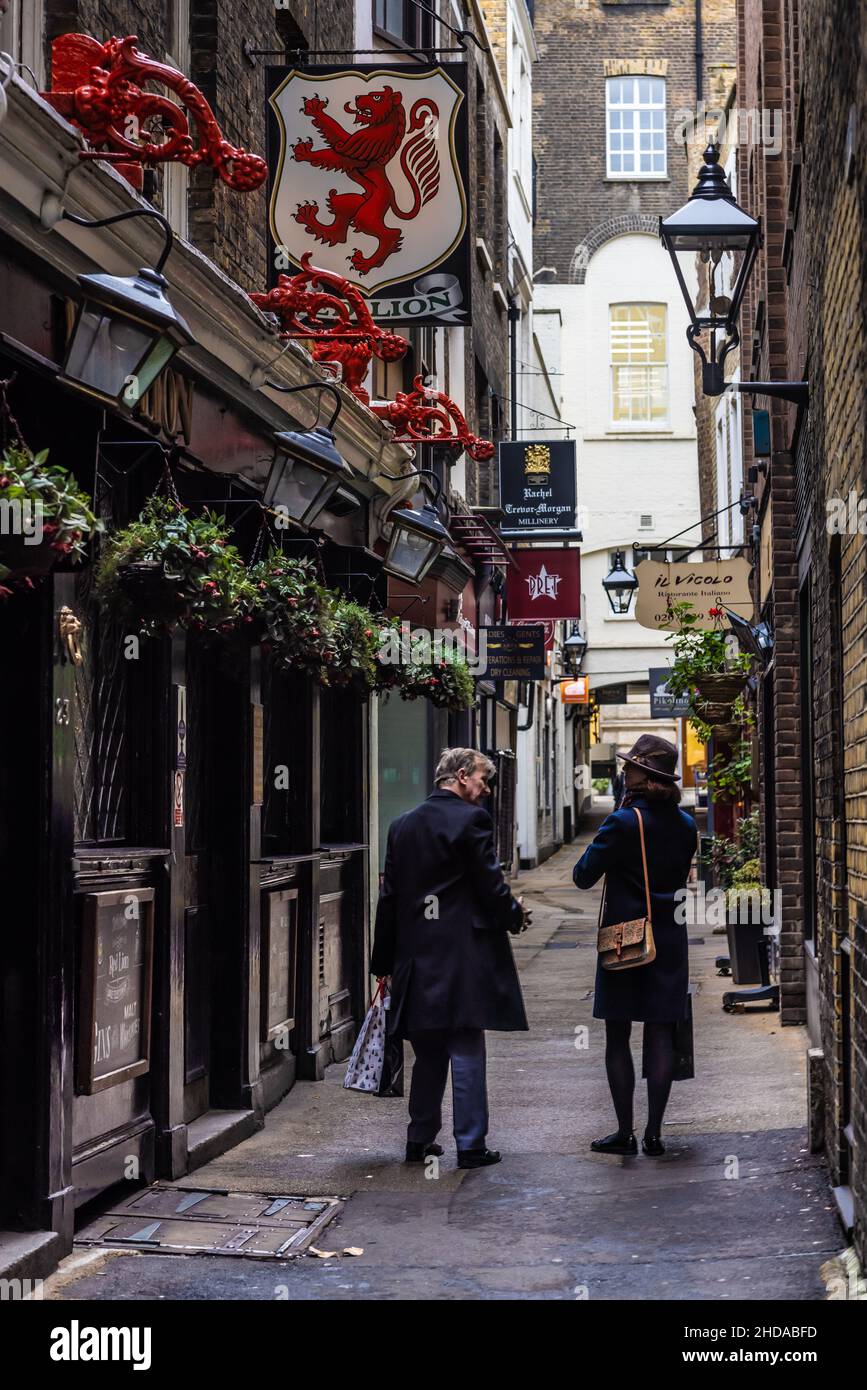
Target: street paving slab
x,y
736,1208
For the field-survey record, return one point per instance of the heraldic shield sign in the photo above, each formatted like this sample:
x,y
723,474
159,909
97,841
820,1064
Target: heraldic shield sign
x,y
367,168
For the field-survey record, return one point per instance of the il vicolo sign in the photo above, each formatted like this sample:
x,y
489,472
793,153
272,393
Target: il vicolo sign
x,y
706,585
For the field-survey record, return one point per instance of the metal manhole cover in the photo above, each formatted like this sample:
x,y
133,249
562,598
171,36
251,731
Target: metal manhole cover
x,y
202,1221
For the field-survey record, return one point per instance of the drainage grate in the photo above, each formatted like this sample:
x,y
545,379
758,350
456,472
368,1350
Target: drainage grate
x,y
201,1221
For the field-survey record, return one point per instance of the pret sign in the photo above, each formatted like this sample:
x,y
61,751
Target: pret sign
x,y
708,586
544,584
367,172
539,487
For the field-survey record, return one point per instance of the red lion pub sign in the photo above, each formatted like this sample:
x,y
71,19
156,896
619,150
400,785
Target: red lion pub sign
x,y
367,172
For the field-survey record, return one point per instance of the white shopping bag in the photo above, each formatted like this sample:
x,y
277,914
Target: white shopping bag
x,y
364,1071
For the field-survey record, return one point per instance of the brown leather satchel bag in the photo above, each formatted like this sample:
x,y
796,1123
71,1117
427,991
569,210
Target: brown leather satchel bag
x,y
623,945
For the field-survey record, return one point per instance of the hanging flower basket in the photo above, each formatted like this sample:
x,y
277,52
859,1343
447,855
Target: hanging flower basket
x,y
169,567
715,695
298,628
356,635
447,683
18,558
152,592
42,504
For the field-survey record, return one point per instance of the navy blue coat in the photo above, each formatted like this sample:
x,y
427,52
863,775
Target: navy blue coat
x,y
454,969
654,993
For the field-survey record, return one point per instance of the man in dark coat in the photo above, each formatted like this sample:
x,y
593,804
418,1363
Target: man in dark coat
x,y
441,923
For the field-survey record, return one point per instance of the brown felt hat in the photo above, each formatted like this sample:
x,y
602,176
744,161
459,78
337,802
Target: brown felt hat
x,y
653,755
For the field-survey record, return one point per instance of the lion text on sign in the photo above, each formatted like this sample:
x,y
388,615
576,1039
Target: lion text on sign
x,y
705,585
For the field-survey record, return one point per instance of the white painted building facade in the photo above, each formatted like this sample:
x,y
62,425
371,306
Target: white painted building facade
x,y
626,383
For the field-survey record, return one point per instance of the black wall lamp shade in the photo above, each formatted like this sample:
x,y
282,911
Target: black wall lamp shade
x,y
417,538
306,472
126,331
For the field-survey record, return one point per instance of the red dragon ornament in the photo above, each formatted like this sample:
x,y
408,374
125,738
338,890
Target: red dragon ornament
x,y
427,416
324,308
99,88
331,316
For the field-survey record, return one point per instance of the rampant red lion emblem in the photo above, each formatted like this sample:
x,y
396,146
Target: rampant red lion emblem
x,y
363,156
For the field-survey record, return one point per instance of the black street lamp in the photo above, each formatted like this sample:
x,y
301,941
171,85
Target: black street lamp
x,y
711,225
573,649
417,537
307,468
620,584
126,331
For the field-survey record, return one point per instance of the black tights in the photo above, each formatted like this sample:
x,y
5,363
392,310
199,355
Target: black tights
x,y
659,1060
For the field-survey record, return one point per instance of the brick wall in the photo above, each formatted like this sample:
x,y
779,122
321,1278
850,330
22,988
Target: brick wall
x,y
574,196
487,346
766,76
835,202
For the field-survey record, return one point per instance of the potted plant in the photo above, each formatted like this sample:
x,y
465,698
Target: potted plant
x,y
390,673
747,901
169,567
729,777
705,668
42,503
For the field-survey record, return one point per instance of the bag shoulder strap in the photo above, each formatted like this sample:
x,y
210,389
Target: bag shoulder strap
x,y
643,860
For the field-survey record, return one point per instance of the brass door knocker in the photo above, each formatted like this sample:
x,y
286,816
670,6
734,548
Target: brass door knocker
x,y
70,631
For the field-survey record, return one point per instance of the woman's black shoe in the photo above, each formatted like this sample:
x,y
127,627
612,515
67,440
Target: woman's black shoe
x,y
477,1158
652,1145
615,1144
417,1153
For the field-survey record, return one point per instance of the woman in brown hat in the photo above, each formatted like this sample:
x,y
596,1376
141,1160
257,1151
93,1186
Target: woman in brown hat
x,y
654,994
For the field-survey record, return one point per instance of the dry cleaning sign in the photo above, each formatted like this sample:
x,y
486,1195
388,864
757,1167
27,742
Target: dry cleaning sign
x,y
708,587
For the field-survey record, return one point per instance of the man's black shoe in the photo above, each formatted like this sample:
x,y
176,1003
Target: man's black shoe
x,y
652,1145
477,1158
615,1144
417,1153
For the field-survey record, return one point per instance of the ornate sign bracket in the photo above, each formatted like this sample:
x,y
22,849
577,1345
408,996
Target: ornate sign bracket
x,y
99,88
427,416
331,314
324,309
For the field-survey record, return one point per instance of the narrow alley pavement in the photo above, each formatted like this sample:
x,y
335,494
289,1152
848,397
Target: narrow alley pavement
x,y
737,1208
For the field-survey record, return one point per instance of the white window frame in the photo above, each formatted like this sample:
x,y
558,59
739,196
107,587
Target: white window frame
x,y
21,30
623,120
176,176
647,426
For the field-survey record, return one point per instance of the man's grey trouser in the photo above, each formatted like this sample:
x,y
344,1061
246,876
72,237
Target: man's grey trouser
x,y
434,1049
